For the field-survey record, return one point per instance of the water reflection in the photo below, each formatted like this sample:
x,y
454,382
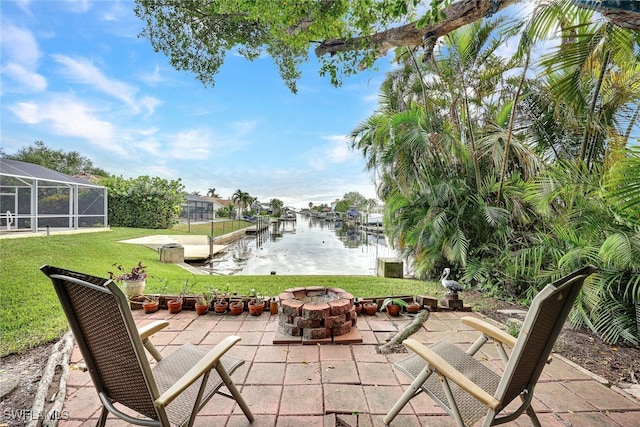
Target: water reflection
x,y
308,246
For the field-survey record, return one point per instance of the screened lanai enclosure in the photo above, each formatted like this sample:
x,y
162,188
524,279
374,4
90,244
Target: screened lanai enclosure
x,y
34,198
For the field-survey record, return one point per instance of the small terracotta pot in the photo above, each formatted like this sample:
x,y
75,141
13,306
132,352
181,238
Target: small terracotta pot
x,y
220,307
393,309
256,309
201,309
174,306
358,307
413,308
370,308
273,306
236,308
150,306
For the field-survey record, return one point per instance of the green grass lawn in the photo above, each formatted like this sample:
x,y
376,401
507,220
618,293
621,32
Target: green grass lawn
x,y
31,314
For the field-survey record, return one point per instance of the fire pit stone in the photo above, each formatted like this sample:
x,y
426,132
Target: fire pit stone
x,y
316,312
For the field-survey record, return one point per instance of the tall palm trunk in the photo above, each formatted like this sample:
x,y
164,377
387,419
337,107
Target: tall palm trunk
x,y
512,120
592,107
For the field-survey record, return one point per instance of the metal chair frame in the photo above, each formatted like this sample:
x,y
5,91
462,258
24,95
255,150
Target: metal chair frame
x,y
467,389
174,390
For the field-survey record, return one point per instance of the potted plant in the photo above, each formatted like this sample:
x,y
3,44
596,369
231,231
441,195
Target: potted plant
x,y
256,303
393,305
236,307
370,307
203,303
175,305
358,305
413,307
151,304
133,279
220,302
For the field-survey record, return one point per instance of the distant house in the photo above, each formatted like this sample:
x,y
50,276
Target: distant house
x,y
219,203
197,208
352,213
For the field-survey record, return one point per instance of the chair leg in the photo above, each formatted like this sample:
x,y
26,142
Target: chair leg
x,y
532,415
409,393
234,392
103,417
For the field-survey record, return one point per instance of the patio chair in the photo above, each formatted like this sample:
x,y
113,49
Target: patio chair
x,y
466,388
173,390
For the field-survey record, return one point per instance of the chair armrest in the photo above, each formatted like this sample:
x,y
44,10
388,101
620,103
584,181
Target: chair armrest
x,y
490,330
206,364
442,367
147,330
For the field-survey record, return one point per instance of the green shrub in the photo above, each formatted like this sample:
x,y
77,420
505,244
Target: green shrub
x,y
144,202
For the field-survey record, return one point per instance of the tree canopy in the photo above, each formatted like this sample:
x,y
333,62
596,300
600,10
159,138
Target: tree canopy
x,y
70,163
197,35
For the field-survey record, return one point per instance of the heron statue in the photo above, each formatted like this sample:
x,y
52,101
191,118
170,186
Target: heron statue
x,y
452,286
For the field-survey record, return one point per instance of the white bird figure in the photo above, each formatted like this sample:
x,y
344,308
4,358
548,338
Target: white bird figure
x,y
452,286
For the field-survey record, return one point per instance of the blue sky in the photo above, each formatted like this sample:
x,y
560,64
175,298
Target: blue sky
x,y
76,76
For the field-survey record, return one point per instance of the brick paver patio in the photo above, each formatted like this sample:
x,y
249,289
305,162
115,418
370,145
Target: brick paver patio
x,y
319,385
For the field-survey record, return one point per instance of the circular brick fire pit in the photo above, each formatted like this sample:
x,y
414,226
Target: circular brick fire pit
x,y
316,313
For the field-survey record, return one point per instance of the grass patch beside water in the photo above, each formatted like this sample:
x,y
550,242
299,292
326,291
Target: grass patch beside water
x,y
31,314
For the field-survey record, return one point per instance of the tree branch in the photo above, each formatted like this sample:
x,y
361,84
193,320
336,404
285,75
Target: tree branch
x,y
463,12
457,15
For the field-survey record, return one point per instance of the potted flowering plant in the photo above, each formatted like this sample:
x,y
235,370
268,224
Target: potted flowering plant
x,y
133,279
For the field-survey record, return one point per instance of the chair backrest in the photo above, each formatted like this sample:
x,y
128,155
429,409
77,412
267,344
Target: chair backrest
x,y
100,319
542,325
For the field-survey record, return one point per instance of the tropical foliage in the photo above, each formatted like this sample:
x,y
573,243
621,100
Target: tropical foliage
x,y
514,180
243,200
510,170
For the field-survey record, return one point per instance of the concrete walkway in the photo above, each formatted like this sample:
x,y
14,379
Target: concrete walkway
x,y
348,385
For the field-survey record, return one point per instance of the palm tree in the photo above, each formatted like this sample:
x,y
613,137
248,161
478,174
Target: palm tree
x,y
276,206
242,200
438,161
212,193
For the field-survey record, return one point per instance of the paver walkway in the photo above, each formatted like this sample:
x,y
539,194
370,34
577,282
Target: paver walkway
x,y
329,385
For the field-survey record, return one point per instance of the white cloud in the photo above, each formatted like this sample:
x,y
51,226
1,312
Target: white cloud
x,y
150,103
28,112
243,127
20,54
153,78
190,144
83,71
68,117
339,151
78,6
336,152
19,45
33,81
23,5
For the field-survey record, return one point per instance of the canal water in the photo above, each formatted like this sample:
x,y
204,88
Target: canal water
x,y
307,246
